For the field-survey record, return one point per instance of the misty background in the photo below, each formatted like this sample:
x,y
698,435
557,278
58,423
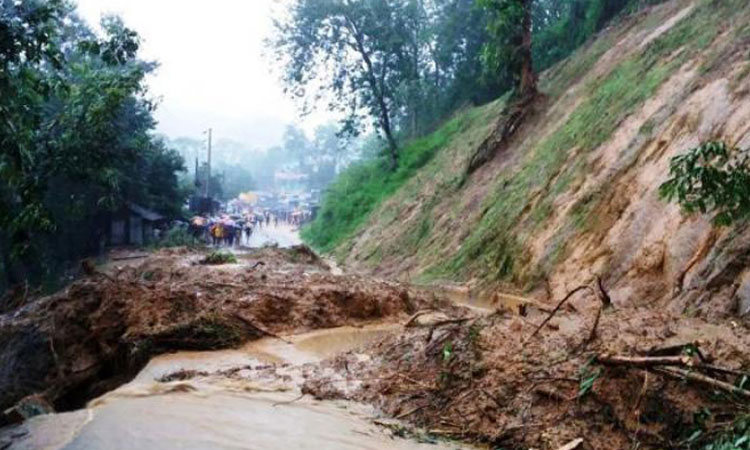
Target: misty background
x,y
215,71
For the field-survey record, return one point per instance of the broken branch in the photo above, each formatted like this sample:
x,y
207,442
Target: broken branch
x,y
557,308
645,361
263,331
682,374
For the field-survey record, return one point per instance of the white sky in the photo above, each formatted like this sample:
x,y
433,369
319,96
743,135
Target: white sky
x,y
212,72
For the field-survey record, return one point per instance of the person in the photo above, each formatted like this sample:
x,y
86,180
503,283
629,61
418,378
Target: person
x,y
230,233
248,231
217,233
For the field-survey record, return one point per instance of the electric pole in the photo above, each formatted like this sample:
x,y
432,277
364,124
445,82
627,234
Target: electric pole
x,y
208,168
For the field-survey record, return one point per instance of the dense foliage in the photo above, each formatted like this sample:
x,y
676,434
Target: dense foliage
x,y
75,137
360,189
460,39
713,177
402,66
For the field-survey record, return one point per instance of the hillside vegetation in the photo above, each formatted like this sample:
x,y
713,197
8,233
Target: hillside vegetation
x,y
575,193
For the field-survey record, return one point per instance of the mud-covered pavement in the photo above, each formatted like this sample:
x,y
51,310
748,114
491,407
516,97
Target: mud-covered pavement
x,y
247,397
62,351
276,351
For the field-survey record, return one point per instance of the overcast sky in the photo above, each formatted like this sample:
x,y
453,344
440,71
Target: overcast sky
x,y
212,72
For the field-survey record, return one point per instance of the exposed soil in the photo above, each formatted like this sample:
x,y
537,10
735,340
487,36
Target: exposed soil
x,y
488,381
101,330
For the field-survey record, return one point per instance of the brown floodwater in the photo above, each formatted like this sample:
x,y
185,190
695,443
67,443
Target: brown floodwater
x,y
217,412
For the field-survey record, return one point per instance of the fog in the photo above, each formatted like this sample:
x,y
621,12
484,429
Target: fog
x,y
212,69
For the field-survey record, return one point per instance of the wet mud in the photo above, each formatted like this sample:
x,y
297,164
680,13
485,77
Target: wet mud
x,y
99,332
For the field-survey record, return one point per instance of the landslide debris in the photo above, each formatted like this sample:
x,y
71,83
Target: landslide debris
x,y
638,380
101,330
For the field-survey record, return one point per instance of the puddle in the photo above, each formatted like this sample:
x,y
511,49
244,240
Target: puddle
x,y
221,413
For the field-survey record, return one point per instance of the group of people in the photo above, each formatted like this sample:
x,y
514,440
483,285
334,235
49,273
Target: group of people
x,y
227,232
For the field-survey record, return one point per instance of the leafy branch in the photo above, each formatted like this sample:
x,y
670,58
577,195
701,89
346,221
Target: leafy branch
x,y
713,177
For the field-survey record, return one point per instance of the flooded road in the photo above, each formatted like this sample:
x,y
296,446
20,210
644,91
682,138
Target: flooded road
x,y
283,235
219,412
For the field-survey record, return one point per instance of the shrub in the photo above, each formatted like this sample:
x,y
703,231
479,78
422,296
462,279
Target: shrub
x,y
713,177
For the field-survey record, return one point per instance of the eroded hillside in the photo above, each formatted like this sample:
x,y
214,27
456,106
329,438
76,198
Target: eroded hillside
x,y
574,194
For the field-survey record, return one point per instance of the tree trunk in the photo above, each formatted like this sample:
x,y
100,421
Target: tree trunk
x,y
379,94
528,78
392,146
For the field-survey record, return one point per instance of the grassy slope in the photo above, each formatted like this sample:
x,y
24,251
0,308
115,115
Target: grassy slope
x,y
607,102
552,164
360,190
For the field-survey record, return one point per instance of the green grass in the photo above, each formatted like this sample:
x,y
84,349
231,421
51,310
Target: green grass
x,y
493,244
358,191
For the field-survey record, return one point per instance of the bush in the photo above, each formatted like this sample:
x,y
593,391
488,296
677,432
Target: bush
x,y
178,237
713,177
218,258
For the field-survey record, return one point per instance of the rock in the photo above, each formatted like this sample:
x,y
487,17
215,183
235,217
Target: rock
x,y
28,407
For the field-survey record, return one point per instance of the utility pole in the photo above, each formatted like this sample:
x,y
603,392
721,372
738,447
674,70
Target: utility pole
x,y
208,168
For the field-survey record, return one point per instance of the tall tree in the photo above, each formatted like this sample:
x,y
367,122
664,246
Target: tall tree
x,y
75,136
508,53
357,50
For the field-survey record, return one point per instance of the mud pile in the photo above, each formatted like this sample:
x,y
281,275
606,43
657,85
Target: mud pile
x,y
101,330
490,379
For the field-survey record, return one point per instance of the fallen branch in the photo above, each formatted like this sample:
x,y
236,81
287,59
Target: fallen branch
x,y
572,445
410,412
263,331
679,349
450,322
603,295
415,316
724,370
682,374
592,333
557,308
645,361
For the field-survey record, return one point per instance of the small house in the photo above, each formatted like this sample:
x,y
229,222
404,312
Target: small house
x,y
133,225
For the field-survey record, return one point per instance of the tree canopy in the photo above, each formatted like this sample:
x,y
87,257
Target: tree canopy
x,y
401,66
75,133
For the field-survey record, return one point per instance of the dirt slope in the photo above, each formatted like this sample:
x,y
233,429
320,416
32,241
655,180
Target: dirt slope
x,y
574,194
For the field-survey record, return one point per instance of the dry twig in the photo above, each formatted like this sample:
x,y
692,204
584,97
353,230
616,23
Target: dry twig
x,y
557,308
646,361
682,374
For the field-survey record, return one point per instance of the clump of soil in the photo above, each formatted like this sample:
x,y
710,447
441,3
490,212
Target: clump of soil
x,y
488,381
100,331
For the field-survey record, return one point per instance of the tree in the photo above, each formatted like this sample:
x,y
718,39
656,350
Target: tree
x,y
358,51
76,136
296,145
713,177
508,53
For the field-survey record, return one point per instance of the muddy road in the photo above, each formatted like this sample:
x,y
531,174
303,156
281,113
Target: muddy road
x,y
226,399
280,350
168,352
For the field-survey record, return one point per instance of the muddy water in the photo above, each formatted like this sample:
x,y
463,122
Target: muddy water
x,y
223,413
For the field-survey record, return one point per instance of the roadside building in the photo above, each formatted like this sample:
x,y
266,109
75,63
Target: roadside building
x,y
133,225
